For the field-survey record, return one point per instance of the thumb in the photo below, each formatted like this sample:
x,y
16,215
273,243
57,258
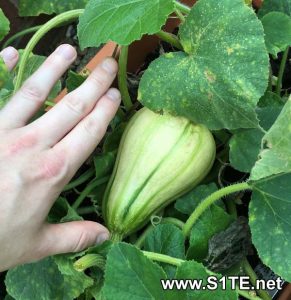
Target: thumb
x,y
72,237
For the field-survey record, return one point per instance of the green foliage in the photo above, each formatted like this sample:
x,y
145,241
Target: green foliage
x,y
275,158
245,145
269,218
220,80
43,280
192,269
283,6
130,275
4,25
188,202
222,75
166,239
122,21
277,28
74,80
204,230
35,8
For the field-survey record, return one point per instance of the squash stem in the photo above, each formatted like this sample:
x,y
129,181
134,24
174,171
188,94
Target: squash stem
x,y
122,78
88,261
211,200
116,237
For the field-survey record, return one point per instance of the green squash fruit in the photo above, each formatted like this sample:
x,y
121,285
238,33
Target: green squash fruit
x,y
160,158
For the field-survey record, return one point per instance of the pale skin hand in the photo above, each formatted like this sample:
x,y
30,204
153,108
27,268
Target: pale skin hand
x,y
38,159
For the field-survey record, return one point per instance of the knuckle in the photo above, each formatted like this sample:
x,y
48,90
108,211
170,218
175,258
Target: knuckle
x,y
32,92
94,127
99,79
76,104
53,168
82,242
24,141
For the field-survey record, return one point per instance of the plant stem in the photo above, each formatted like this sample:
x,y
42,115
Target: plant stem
x,y
247,295
177,262
20,34
281,71
90,187
83,178
122,78
182,7
163,258
49,103
180,15
86,210
170,38
211,200
56,21
180,224
89,260
253,277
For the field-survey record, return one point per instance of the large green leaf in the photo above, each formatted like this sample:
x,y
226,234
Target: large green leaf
x,y
213,220
122,21
131,275
4,25
222,75
269,218
245,148
43,281
194,270
245,144
276,157
34,8
277,28
166,239
283,6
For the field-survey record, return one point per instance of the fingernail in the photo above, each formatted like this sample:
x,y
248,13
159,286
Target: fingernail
x,y
66,51
113,94
9,54
102,237
109,65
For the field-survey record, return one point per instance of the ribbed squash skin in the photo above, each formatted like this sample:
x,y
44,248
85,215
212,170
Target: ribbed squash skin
x,y
160,157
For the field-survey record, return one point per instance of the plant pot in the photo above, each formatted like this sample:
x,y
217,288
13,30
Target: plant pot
x,y
257,3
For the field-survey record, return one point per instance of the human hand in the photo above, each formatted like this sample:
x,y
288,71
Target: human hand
x,y
38,159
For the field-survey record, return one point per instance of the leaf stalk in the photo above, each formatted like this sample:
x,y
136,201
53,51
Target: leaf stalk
x,y
122,78
207,202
